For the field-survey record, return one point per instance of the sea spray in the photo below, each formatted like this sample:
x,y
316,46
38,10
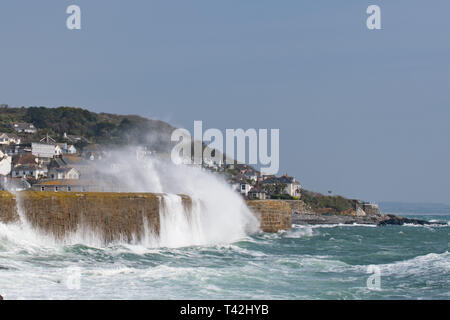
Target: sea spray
x,y
178,226
218,213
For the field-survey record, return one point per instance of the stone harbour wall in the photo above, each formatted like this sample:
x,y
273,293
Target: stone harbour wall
x,y
274,215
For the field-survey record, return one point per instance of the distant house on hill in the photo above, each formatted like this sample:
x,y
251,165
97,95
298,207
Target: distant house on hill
x,y
43,150
74,139
289,185
29,170
293,187
93,152
25,158
83,166
257,193
244,188
23,127
67,148
9,138
64,173
16,149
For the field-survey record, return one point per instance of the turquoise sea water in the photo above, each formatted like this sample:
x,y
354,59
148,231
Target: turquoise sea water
x,y
309,262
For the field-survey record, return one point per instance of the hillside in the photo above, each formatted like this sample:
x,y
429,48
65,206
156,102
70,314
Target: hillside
x,y
101,128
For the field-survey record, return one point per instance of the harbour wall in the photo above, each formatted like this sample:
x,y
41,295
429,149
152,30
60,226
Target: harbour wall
x,y
274,215
113,216
110,216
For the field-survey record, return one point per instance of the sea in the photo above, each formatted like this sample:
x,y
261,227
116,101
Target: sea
x,y
307,262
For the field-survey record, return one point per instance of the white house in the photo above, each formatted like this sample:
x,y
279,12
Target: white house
x,y
257,193
24,127
65,173
43,150
8,138
66,148
29,170
293,187
245,188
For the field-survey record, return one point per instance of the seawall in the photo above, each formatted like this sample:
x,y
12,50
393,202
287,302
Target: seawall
x,y
274,215
113,216
110,216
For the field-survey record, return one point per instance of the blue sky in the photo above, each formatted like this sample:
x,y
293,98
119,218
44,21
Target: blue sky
x,y
363,113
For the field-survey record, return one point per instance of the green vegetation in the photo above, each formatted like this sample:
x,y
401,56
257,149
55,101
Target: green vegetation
x,y
101,128
320,201
281,196
275,189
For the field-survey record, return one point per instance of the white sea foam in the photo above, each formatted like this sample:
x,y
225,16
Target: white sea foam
x,y
420,265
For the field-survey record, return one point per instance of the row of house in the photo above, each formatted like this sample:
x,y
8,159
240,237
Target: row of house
x,y
23,165
254,185
47,165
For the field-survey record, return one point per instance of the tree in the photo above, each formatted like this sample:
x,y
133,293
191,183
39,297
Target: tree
x,y
274,188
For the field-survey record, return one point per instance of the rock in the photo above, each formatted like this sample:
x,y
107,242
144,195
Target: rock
x,y
392,219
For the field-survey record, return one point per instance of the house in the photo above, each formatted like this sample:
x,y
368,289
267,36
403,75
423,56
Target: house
x,y
64,173
9,138
24,158
93,152
5,164
15,149
244,188
257,193
83,166
291,186
23,127
250,175
29,170
75,139
67,148
44,150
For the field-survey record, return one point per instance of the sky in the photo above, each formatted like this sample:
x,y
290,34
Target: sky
x,y
363,113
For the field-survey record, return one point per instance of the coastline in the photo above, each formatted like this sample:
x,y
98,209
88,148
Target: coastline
x,y
305,215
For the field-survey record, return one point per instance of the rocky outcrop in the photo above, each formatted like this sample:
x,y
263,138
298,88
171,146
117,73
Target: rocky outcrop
x,y
391,219
363,213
